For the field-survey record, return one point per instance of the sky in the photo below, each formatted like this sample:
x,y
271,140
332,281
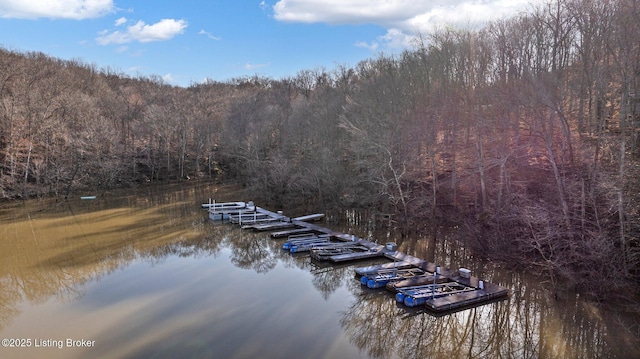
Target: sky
x,y
191,41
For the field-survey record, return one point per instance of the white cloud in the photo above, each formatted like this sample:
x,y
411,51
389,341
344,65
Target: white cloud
x,y
402,14
353,11
55,9
165,29
249,66
169,78
209,35
371,46
395,38
403,19
116,37
121,21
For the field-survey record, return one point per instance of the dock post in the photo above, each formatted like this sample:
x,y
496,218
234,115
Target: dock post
x,y
433,290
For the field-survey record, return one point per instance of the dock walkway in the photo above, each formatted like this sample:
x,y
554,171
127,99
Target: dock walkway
x,y
417,281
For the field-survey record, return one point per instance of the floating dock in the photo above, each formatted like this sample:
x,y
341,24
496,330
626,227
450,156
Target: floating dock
x,y
305,242
384,277
416,282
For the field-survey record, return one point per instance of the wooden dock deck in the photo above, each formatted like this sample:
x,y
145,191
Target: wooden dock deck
x,y
436,289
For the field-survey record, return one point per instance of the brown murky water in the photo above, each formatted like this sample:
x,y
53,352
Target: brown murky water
x,y
146,274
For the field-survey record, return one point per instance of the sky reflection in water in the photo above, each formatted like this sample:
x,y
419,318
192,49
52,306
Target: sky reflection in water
x,y
148,275
156,288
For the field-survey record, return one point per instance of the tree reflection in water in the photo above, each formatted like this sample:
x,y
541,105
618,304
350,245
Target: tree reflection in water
x,y
329,278
529,325
250,251
52,252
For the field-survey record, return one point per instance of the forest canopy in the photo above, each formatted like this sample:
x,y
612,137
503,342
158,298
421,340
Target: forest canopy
x,y
526,133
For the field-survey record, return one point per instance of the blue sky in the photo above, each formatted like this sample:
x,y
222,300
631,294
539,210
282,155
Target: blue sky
x,y
188,41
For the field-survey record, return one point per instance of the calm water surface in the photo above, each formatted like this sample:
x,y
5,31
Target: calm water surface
x,y
146,274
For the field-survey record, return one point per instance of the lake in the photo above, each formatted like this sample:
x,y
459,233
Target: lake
x,y
145,274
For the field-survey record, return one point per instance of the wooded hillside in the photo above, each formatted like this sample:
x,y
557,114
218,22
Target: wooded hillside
x,y
525,133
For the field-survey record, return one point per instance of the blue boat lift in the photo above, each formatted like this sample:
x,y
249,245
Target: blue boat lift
x,y
382,277
419,295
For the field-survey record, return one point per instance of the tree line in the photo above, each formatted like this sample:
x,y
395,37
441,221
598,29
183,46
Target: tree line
x,y
525,134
